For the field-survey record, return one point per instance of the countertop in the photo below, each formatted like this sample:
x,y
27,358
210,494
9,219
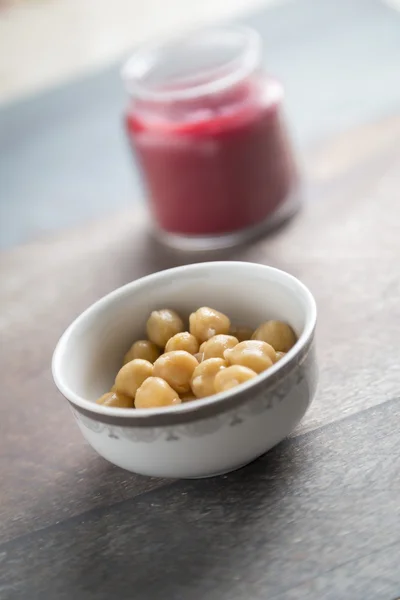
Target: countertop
x,y
319,515
316,517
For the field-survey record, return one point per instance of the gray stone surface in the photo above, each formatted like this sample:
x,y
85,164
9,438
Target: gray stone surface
x,y
63,156
318,517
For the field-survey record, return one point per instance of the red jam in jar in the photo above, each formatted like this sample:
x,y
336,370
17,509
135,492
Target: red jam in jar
x,y
207,129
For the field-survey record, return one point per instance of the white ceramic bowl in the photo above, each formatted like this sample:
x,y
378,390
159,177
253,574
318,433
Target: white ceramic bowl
x,y
204,437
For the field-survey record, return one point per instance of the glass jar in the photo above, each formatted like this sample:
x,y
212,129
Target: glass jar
x,y
206,125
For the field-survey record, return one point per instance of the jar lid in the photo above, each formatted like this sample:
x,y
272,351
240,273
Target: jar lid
x,y
193,65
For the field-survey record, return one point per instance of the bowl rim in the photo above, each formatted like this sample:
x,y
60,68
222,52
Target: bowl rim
x,y
201,408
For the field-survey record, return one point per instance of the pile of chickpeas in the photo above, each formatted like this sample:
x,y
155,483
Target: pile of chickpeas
x,y
174,365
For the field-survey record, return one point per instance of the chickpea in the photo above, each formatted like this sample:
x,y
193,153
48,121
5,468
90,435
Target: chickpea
x,y
204,375
143,349
280,355
116,399
216,346
162,325
231,377
188,397
241,332
182,341
131,376
104,398
279,335
154,393
176,368
207,322
113,388
254,354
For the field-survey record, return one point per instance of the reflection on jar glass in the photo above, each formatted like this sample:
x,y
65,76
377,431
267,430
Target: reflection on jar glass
x,y
206,124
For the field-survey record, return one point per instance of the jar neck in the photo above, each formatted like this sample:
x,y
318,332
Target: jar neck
x,y
199,109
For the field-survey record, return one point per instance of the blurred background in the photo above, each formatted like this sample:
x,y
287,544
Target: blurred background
x,y
63,155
